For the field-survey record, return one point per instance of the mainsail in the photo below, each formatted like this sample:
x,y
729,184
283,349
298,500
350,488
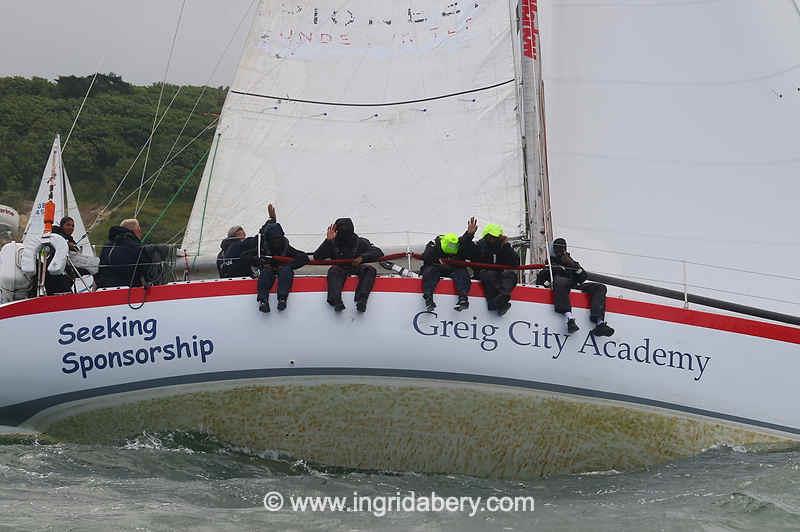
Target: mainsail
x,y
401,115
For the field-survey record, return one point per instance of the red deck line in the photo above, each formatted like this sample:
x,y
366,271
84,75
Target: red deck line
x,y
233,287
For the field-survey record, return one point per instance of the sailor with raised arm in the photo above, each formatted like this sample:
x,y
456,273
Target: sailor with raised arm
x,y
448,246
498,284
341,242
569,274
275,244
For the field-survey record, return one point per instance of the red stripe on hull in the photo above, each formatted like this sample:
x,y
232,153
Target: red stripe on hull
x,y
219,288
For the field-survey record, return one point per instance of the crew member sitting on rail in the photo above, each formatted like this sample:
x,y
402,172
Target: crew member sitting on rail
x,y
568,274
498,284
341,242
238,254
124,261
275,244
448,246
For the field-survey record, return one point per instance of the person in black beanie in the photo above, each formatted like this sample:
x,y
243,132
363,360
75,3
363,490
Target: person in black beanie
x,y
341,242
275,244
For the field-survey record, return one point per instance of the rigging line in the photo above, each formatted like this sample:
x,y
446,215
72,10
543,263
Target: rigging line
x,y
712,289
647,83
202,93
80,109
104,210
385,104
158,105
693,263
130,168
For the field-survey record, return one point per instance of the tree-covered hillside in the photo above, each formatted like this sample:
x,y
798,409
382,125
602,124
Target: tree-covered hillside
x,y
112,129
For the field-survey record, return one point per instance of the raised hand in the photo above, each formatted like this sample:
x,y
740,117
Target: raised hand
x,y
271,212
472,226
331,234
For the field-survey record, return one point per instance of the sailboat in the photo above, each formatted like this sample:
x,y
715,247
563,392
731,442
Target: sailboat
x,y
409,120
18,260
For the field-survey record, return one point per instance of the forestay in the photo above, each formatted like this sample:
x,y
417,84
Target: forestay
x,y
401,115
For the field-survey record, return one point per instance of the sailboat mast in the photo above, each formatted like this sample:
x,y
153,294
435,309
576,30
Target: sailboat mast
x,y
537,178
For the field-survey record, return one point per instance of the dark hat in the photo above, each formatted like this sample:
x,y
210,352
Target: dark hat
x,y
560,242
344,225
272,230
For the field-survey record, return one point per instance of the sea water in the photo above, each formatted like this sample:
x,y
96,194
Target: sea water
x,y
180,480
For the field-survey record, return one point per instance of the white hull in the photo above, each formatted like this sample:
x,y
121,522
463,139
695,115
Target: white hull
x,y
396,388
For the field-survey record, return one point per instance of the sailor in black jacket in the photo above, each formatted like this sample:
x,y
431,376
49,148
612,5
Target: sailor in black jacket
x,y
237,254
494,248
569,274
448,246
275,244
341,242
124,261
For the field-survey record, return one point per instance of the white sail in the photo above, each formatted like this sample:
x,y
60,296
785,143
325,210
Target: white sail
x,y
55,181
72,211
52,178
401,116
672,131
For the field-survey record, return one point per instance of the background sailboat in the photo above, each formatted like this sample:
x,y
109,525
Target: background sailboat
x,y
18,259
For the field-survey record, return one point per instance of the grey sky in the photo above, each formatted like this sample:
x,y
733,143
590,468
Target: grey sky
x,y
49,38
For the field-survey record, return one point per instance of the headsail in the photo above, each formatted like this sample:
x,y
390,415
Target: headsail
x,y
402,116
672,132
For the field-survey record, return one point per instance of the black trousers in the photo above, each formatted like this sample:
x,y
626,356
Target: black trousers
x,y
496,283
338,274
432,273
57,284
266,279
596,292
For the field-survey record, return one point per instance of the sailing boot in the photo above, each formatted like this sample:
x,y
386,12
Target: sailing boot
x,y
572,326
361,305
602,329
281,303
502,303
263,306
338,306
463,303
429,304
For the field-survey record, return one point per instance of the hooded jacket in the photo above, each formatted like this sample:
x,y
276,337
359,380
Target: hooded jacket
x,y
494,253
564,266
236,257
433,253
124,261
347,244
274,243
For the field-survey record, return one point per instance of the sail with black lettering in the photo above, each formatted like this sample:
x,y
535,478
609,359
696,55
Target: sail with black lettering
x,y
402,116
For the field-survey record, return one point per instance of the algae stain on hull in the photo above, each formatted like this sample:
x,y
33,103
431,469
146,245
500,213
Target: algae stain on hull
x,y
425,429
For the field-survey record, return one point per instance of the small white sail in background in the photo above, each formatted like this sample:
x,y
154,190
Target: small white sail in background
x,y
54,177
